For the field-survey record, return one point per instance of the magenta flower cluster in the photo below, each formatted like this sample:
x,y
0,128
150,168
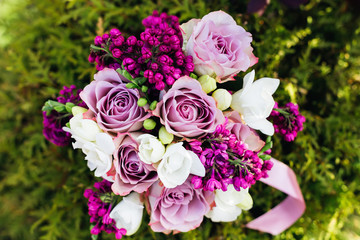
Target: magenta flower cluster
x,y
287,120
156,55
55,121
99,210
227,161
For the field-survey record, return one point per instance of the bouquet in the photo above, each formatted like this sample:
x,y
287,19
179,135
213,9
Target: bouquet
x,y
160,131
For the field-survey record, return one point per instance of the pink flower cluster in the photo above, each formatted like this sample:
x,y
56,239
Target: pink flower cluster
x,y
54,121
287,120
227,160
99,210
157,53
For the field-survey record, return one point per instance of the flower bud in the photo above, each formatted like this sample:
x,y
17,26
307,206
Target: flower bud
x,y
149,124
223,99
153,105
208,84
77,110
164,136
142,102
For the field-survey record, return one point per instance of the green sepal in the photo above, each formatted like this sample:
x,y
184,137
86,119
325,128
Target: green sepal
x,y
67,124
193,75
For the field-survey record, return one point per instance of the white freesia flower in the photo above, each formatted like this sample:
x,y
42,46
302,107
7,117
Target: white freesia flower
x,y
177,164
151,150
128,213
99,154
96,145
255,102
229,204
85,129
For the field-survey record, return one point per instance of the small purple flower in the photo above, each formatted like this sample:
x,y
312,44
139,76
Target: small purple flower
x,y
287,121
99,211
227,158
55,121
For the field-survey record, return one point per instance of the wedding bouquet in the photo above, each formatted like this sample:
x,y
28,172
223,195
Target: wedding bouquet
x,y
160,131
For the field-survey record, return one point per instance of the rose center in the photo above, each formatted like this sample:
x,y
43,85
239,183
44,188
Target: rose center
x,y
176,196
220,44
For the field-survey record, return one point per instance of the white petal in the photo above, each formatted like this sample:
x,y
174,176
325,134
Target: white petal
x,y
197,168
263,125
128,213
105,142
218,214
270,84
248,81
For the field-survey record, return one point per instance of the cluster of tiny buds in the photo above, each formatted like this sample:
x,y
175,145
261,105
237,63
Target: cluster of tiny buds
x,y
99,210
157,54
227,160
287,120
54,122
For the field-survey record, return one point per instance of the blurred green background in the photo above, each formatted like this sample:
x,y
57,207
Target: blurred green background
x,y
314,50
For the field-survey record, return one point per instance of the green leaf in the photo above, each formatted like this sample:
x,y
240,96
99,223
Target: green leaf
x,y
125,73
69,106
131,85
265,157
140,80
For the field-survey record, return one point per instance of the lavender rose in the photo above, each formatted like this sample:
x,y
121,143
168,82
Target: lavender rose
x,y
115,106
243,132
218,46
177,209
186,110
131,173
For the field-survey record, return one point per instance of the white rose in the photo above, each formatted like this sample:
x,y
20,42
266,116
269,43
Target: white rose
x,y
128,213
151,150
177,164
96,145
229,204
255,102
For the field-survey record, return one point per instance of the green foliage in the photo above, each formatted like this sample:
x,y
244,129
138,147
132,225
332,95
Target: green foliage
x,y
314,50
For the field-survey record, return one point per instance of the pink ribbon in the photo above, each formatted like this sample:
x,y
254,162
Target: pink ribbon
x,y
288,211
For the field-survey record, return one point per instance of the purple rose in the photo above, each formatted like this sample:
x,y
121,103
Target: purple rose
x,y
243,132
131,174
218,46
115,106
186,110
177,209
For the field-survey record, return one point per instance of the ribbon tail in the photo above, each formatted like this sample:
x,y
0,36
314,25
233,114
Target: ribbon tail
x,y
288,211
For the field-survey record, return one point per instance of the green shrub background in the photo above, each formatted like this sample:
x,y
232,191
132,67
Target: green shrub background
x,y
314,50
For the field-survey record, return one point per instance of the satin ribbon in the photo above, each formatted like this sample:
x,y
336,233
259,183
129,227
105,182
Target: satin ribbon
x,y
288,211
